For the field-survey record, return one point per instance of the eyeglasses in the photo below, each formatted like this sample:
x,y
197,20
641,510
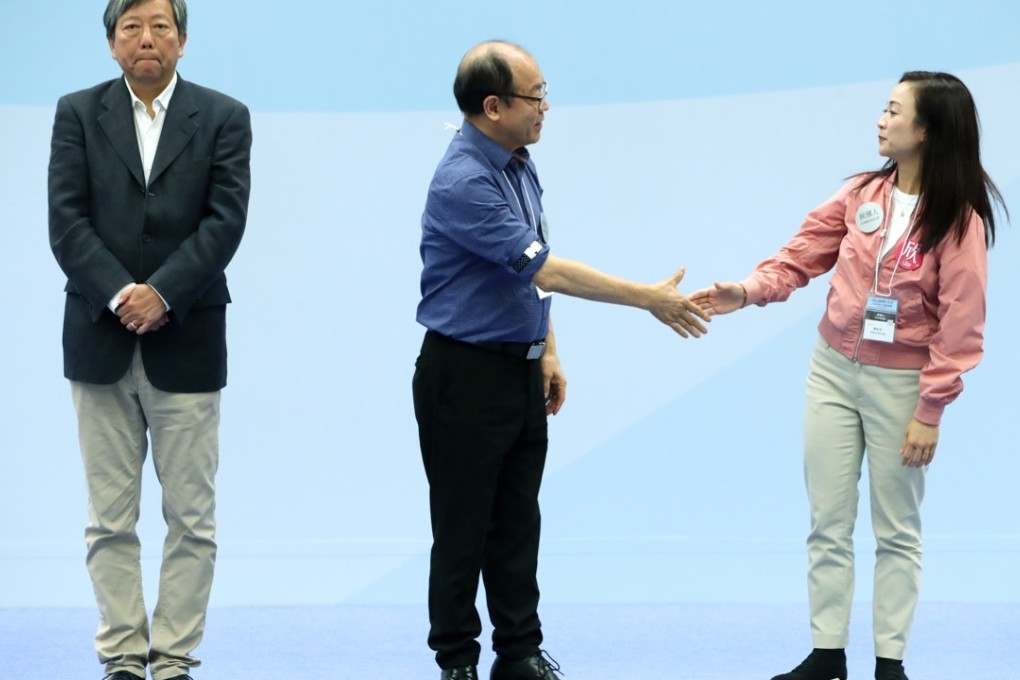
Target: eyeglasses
x,y
538,100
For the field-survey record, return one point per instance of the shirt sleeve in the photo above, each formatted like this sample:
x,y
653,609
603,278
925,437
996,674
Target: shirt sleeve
x,y
91,268
958,344
812,251
475,214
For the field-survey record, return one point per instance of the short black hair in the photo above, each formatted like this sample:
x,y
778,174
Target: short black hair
x,y
482,76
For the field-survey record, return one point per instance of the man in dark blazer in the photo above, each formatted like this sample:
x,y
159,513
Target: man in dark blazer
x,y
148,196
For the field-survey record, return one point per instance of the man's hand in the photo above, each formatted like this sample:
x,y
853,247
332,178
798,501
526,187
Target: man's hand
x,y
141,310
555,382
676,311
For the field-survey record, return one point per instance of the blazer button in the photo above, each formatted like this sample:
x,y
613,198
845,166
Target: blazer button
x,y
147,238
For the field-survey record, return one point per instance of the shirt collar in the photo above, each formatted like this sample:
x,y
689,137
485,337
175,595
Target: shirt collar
x,y
496,154
522,156
162,101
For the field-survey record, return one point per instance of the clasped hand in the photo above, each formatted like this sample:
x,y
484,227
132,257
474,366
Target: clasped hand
x,y
141,310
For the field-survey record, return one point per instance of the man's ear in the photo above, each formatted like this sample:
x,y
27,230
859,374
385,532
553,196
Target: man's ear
x,y
491,107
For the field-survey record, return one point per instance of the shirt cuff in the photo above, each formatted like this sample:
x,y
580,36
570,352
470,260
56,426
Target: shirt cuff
x,y
115,300
752,292
929,412
166,305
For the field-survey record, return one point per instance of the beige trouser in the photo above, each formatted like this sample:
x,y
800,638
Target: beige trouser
x,y
112,424
852,408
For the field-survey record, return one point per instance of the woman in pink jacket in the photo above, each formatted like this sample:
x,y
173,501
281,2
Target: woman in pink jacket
x,y
903,321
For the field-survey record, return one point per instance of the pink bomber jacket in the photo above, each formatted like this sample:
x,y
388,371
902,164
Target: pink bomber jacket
x,y
939,328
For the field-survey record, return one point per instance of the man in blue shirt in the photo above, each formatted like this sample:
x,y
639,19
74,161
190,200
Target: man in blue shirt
x,y
488,373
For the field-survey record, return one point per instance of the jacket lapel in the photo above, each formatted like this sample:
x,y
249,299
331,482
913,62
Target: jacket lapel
x,y
178,129
118,123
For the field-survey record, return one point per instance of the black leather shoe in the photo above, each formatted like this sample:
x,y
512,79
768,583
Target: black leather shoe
x,y
538,666
181,677
124,675
889,669
460,673
820,664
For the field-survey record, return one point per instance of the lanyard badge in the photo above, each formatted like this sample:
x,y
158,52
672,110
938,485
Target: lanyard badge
x,y
880,318
881,309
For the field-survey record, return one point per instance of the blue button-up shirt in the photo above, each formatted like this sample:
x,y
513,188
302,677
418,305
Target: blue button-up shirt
x,y
481,244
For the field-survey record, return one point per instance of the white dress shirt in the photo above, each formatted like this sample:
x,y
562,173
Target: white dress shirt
x,y
148,129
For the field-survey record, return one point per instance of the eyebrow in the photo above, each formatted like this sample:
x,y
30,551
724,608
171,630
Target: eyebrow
x,y
137,17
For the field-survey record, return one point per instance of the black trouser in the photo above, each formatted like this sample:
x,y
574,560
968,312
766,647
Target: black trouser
x,y
482,427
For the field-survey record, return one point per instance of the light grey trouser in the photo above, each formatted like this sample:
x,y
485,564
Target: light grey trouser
x,y
112,424
852,408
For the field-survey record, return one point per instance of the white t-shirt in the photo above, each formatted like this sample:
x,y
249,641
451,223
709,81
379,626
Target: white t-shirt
x,y
903,206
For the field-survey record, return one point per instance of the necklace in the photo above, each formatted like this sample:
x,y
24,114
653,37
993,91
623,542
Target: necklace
x,y
904,203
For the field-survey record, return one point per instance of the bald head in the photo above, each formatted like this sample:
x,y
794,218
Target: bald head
x,y
486,69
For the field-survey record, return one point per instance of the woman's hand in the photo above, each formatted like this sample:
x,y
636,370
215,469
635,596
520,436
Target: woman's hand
x,y
919,443
721,298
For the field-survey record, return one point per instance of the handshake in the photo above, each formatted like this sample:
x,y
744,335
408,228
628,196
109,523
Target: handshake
x,y
684,314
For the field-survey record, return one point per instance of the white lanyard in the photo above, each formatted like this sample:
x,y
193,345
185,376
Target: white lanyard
x,y
881,248
530,214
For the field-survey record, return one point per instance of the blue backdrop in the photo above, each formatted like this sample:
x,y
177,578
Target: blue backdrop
x,y
679,133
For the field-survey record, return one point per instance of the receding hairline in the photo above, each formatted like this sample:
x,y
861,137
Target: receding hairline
x,y
502,48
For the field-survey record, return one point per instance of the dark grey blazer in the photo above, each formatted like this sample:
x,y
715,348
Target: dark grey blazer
x,y
107,229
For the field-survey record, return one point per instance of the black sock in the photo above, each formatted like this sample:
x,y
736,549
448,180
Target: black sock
x,y
882,661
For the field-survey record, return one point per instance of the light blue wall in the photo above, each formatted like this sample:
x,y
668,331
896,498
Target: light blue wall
x,y
679,134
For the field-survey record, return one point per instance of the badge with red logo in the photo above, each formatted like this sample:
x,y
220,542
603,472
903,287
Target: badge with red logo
x,y
909,255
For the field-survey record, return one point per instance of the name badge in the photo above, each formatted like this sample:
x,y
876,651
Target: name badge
x,y
869,217
880,318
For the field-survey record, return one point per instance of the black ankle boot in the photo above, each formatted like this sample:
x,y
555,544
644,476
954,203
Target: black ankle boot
x,y
820,664
889,669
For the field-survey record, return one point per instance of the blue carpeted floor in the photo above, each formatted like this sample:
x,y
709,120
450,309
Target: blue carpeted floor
x,y
591,642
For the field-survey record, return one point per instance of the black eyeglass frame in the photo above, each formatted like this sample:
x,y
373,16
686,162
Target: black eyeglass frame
x,y
528,97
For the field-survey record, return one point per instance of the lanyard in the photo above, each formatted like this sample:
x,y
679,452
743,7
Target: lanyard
x,y
530,214
881,248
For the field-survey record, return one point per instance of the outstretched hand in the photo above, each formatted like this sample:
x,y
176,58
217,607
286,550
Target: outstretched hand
x,y
720,298
675,310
